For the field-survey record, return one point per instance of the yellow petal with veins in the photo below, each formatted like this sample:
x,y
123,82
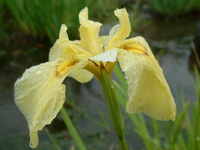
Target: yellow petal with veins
x,y
40,94
119,32
89,33
147,88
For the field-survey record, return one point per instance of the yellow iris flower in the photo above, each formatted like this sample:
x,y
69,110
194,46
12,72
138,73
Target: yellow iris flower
x,y
40,94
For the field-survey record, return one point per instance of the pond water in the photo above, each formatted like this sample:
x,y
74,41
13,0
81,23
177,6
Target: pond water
x,y
175,64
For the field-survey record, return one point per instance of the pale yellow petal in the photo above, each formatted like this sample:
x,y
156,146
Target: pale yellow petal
x,y
81,75
109,56
57,49
89,33
63,47
40,94
119,32
147,88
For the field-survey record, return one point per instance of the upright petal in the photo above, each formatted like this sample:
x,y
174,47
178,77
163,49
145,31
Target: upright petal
x,y
89,33
147,88
63,47
119,32
57,50
40,94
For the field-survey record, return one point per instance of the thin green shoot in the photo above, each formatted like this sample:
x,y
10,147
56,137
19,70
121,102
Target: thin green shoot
x,y
72,130
52,139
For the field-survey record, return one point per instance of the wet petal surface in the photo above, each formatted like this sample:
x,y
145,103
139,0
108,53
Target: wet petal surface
x,y
147,88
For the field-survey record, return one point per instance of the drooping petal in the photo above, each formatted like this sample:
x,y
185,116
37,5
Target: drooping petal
x,y
81,75
147,88
119,32
89,33
40,94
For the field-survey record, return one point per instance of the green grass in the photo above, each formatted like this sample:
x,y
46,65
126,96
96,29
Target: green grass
x,y
44,18
173,8
40,18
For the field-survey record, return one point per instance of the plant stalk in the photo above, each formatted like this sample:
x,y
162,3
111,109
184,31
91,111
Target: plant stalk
x,y
114,108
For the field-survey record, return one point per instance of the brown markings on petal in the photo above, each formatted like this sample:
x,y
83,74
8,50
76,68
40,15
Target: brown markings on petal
x,y
64,67
94,63
136,48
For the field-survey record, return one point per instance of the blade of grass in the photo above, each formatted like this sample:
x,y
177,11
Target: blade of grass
x,y
53,141
102,123
120,76
156,129
197,118
72,129
179,124
181,143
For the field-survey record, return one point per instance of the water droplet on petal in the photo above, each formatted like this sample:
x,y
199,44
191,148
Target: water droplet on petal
x,y
38,72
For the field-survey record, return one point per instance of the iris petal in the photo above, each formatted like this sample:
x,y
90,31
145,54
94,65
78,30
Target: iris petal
x,y
81,75
40,94
57,49
147,88
63,47
109,56
89,33
119,32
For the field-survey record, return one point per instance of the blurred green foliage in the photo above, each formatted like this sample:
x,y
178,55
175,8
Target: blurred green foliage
x,y
44,18
174,7
39,18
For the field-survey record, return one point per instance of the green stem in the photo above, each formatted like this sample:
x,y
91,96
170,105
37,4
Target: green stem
x,y
72,129
113,105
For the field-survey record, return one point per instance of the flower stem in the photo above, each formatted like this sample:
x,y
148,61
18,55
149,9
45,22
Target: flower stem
x,y
114,109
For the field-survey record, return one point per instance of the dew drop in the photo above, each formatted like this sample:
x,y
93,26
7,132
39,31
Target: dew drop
x,y
38,72
28,74
45,75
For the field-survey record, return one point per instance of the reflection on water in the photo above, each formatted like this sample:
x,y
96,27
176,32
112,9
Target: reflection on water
x,y
178,75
